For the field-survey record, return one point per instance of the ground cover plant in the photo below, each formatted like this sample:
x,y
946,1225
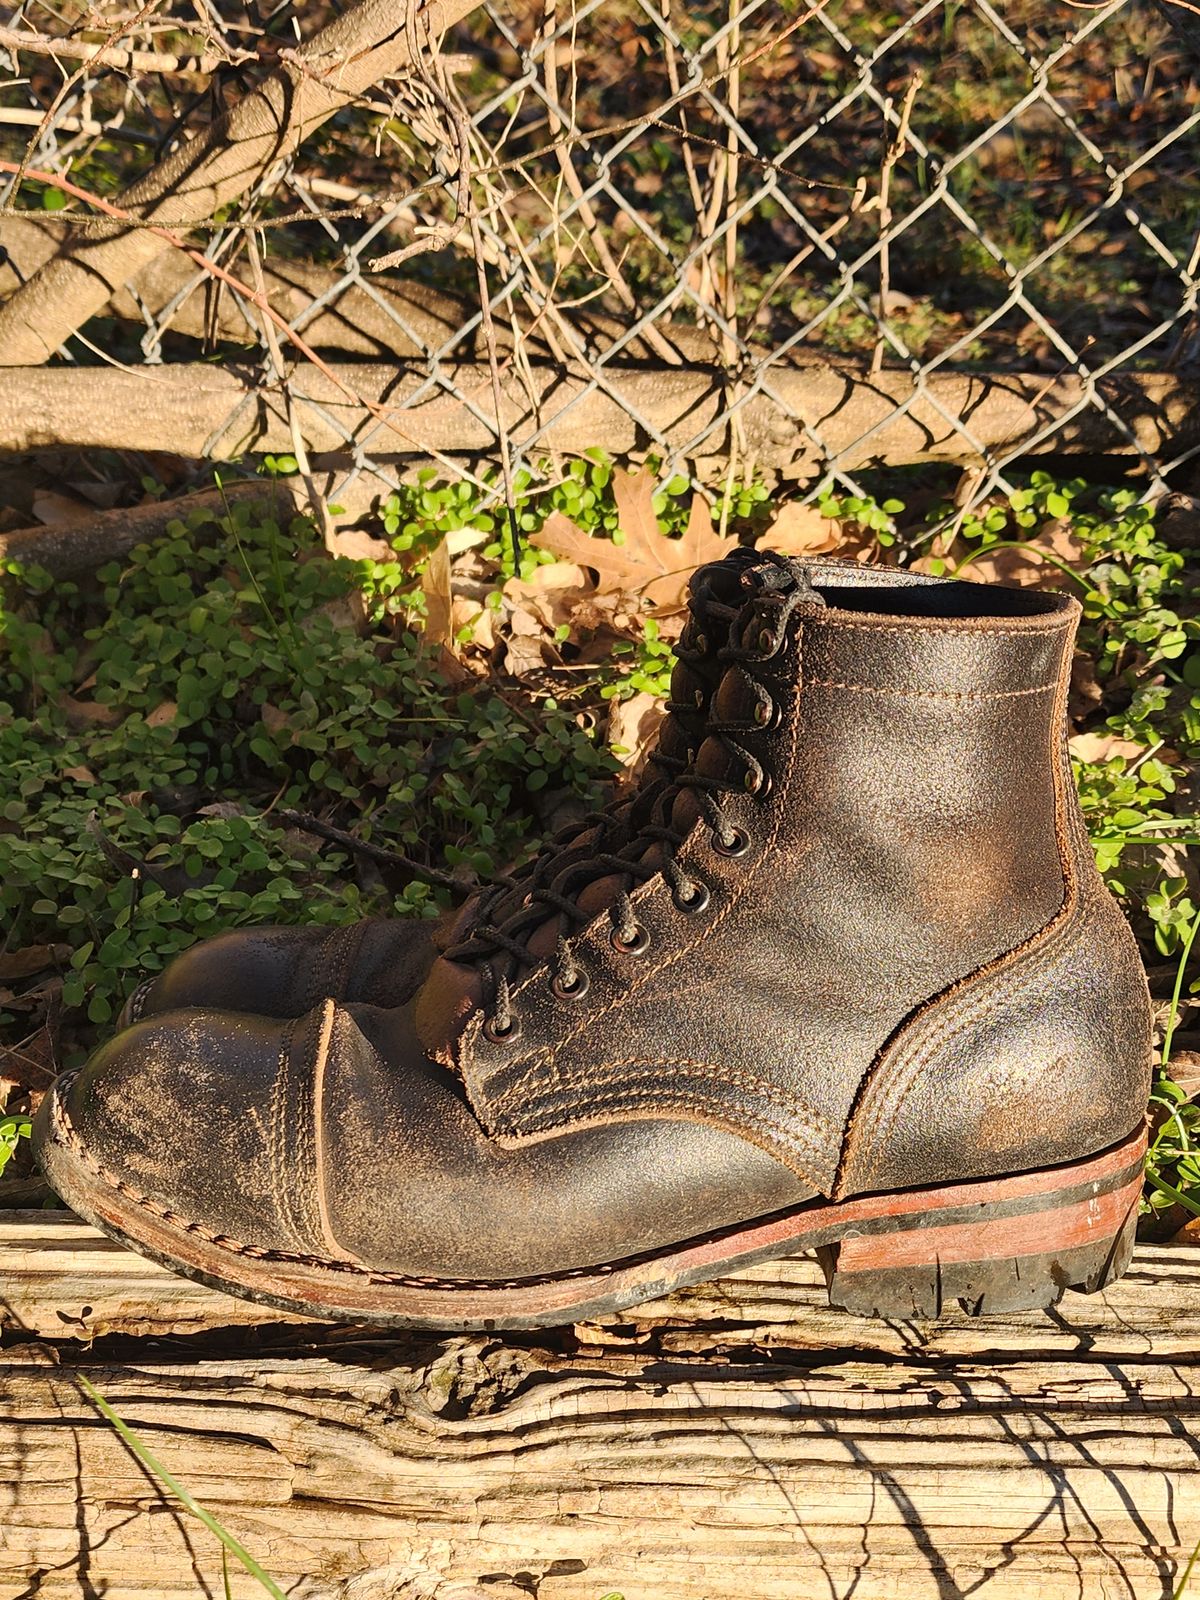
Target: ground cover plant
x,y
181,737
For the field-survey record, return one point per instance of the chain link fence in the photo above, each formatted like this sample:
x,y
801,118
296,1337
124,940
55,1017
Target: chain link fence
x,y
738,239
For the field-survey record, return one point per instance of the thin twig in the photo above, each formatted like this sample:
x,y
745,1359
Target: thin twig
x,y
892,155
110,55
316,500
374,852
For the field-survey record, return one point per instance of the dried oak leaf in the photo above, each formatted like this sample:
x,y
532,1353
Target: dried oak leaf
x,y
358,545
437,587
34,958
1104,746
553,594
649,565
802,531
163,716
1036,564
81,715
633,726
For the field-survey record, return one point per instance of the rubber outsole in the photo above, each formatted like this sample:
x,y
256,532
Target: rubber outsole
x,y
999,1244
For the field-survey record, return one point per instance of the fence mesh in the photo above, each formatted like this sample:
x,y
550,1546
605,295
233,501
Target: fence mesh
x,y
661,230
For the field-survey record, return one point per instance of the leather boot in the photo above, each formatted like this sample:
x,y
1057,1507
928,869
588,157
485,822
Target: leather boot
x,y
854,984
285,971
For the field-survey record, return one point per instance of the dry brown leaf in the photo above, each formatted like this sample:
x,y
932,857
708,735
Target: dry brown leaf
x,y
358,545
649,565
162,716
552,594
632,727
348,611
84,714
438,590
801,531
527,648
1104,746
59,510
1184,1069
79,774
1086,693
481,620
273,719
1029,566
34,958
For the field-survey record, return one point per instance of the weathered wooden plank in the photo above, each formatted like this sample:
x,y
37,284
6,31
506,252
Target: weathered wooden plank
x,y
651,1476
736,1441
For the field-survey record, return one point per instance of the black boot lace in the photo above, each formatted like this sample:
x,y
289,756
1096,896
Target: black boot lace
x,y
500,950
606,829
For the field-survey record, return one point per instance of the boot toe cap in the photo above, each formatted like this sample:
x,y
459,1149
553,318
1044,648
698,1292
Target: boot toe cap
x,y
183,1114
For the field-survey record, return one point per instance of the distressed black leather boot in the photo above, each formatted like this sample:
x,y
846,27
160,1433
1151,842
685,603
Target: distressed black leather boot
x,y
853,984
285,971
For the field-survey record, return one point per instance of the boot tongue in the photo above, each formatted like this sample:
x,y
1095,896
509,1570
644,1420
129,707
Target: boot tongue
x,y
769,588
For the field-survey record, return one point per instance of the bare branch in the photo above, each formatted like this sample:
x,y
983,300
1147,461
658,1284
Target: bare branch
x,y
356,50
203,410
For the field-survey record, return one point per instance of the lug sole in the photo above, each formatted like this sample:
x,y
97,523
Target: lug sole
x,y
998,1244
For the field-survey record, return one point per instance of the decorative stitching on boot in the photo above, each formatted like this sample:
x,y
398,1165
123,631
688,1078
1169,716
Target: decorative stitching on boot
x,y
593,1082
904,625
933,694
791,1134
137,1000
1044,944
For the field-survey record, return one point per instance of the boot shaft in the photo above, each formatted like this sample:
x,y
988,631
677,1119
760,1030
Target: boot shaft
x,y
910,739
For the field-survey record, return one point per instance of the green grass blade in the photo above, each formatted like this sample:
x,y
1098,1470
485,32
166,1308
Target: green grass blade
x,y
153,1465
1172,1193
1187,1573
1177,992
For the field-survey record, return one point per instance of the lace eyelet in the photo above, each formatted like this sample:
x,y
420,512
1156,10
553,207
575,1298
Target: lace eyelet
x,y
736,845
697,901
766,642
700,699
495,1034
637,946
699,644
757,783
571,991
764,713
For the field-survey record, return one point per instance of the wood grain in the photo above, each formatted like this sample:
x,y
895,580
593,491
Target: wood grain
x,y
739,1440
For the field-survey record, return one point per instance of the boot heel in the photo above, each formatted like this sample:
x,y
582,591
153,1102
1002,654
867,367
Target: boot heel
x,y
1009,1249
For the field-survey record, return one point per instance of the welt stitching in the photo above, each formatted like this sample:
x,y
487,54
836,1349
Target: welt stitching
x,y
315,1070
592,1077
348,947
1046,940
746,879
933,694
297,1200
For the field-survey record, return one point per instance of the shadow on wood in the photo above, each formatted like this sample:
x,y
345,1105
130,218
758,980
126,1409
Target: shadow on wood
x,y
737,1439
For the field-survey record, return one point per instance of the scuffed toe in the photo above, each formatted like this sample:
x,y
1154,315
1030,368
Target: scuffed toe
x,y
205,1117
